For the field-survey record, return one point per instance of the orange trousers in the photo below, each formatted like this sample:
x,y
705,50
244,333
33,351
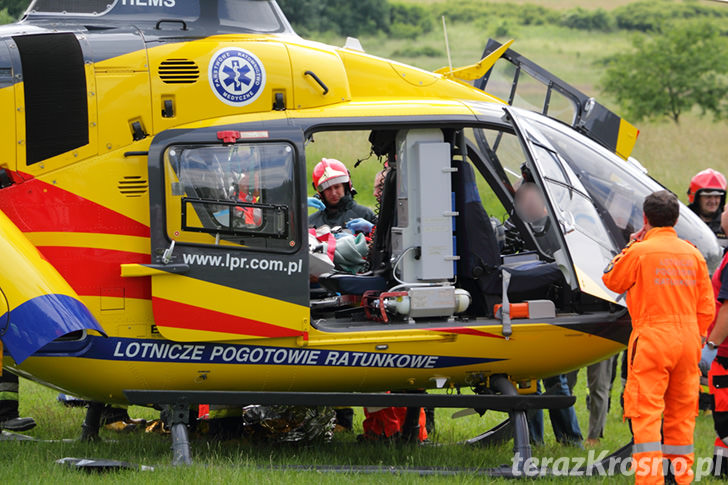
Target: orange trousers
x,y
662,392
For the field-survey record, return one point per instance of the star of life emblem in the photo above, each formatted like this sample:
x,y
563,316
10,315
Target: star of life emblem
x,y
237,77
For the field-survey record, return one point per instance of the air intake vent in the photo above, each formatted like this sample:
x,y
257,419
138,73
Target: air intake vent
x,y
133,186
178,71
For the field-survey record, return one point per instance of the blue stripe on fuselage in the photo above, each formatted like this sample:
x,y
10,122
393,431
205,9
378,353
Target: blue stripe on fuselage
x,y
37,322
150,350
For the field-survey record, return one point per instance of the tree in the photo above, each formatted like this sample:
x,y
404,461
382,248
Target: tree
x,y
670,73
14,7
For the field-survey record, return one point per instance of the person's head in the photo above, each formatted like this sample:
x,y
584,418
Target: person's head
x,y
709,202
661,209
707,193
529,202
331,180
333,194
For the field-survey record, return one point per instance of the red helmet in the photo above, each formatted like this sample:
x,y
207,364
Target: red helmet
x,y
708,180
328,172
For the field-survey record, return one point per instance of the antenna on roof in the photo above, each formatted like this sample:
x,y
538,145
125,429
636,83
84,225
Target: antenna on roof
x,y
447,43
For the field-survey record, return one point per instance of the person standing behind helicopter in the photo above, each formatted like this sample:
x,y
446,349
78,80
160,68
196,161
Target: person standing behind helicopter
x,y
706,194
332,182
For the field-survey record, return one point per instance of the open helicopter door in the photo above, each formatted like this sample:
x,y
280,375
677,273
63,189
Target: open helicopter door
x,y
228,262
524,84
589,244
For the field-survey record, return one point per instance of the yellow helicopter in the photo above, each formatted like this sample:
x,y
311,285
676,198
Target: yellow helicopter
x,y
133,265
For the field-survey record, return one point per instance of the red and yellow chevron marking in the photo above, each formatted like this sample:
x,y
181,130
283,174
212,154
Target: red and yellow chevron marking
x,y
179,320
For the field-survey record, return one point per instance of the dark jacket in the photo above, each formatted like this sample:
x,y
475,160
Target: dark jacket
x,y
713,224
346,210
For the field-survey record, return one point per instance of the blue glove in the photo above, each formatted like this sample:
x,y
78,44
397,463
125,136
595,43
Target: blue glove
x,y
706,357
359,225
316,203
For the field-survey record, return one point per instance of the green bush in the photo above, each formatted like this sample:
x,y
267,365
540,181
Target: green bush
x,y
529,14
503,30
414,15
474,10
579,18
5,17
404,31
652,15
12,9
423,51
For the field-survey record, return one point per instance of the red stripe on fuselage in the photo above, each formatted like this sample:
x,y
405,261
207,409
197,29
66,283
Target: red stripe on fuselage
x,y
37,206
93,272
168,313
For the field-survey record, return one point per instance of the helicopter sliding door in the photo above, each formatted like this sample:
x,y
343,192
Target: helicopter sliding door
x,y
589,243
229,263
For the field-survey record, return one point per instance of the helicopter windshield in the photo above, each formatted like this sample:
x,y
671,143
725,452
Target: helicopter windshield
x,y
618,188
259,16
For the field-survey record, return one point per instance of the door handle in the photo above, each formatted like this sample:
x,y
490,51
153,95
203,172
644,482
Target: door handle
x,y
136,270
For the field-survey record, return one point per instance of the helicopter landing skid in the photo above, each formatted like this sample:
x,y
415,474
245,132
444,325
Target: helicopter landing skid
x,y
92,422
502,396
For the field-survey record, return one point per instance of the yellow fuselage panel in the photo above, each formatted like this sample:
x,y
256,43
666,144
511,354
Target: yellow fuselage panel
x,y
198,100
122,87
8,140
356,367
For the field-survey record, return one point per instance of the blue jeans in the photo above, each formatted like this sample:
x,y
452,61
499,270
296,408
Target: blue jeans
x,y
563,421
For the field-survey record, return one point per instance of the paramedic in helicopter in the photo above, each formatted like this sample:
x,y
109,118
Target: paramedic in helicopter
x,y
335,201
706,195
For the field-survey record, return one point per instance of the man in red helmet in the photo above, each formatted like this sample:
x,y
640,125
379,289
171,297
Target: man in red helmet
x,y
707,199
331,180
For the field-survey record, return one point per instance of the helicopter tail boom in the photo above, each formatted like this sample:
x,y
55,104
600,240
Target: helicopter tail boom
x,y
37,305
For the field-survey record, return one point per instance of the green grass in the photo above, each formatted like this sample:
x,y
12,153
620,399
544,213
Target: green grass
x,y
238,461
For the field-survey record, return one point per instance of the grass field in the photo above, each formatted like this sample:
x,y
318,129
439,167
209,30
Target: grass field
x,y
240,462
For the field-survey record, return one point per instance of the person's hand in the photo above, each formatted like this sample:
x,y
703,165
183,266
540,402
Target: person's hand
x,y
359,225
706,358
316,203
639,235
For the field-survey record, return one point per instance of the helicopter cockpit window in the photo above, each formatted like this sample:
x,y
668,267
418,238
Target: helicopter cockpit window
x,y
239,195
574,208
252,15
519,88
527,204
87,7
618,189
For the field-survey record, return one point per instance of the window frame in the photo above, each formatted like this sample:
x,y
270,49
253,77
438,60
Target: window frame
x,y
201,238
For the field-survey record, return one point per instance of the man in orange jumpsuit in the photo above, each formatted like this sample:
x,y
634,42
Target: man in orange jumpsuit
x,y
670,300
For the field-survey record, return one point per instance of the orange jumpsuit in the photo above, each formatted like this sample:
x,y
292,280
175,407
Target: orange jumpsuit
x,y
670,299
